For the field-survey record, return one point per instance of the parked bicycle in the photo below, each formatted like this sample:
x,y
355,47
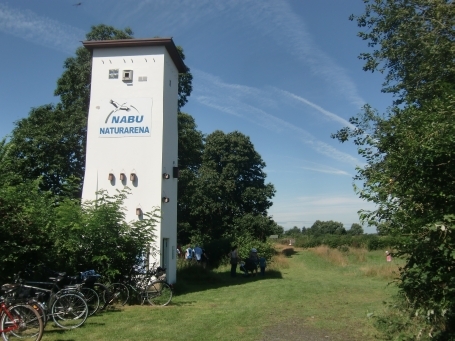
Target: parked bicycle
x,y
21,321
89,288
66,306
149,286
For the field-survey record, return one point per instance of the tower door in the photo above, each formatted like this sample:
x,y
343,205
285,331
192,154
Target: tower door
x,y
165,253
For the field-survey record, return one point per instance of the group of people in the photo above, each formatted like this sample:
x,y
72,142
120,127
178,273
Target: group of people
x,y
197,253
249,265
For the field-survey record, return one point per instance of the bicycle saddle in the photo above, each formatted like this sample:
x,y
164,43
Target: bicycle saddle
x,y
7,288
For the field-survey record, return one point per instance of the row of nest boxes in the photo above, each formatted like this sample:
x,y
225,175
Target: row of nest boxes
x,y
133,176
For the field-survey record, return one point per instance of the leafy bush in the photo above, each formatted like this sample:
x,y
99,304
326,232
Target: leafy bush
x,y
40,228
397,323
95,235
26,220
371,242
216,251
246,243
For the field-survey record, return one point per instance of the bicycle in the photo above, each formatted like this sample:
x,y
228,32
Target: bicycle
x,y
85,282
148,286
68,307
89,288
19,320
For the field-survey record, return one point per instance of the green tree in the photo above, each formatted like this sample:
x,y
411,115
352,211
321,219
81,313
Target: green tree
x,y
191,143
294,232
185,82
26,219
355,230
230,185
383,228
5,163
412,43
259,226
320,228
49,143
409,176
409,153
191,146
95,235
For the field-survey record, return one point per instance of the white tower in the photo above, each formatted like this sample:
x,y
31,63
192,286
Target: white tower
x,y
132,137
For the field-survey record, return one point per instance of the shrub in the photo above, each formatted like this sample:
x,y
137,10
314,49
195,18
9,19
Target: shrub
x,y
369,241
26,220
246,243
216,251
94,235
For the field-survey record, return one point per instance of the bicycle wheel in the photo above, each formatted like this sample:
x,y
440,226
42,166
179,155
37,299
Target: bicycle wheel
x,y
40,308
26,323
118,294
92,299
100,290
159,293
69,310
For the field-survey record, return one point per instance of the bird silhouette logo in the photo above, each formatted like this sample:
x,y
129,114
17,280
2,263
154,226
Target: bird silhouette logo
x,y
117,107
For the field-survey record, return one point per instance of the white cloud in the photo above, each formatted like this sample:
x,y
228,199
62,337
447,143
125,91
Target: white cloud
x,y
253,105
327,170
273,19
41,30
331,201
276,19
327,113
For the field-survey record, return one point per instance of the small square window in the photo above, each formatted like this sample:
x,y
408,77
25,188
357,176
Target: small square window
x,y
113,74
127,75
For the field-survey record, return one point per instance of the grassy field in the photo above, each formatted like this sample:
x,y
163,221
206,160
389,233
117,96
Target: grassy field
x,y
315,294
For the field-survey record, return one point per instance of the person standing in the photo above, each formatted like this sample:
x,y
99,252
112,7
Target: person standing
x,y
262,264
388,256
189,254
198,254
204,259
234,259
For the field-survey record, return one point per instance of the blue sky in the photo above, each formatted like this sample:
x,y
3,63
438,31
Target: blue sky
x,y
284,73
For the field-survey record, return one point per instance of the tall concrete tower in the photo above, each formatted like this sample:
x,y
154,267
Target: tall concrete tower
x,y
132,137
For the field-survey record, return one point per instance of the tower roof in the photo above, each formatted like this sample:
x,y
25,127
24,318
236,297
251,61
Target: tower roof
x,y
168,43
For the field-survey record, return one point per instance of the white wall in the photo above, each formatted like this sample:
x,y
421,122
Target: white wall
x,y
144,143
170,158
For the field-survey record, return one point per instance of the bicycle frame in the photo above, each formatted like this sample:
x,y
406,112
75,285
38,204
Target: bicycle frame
x,y
4,310
54,292
141,288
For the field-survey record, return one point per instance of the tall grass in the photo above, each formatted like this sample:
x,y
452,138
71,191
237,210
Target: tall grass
x,y
334,256
387,271
371,263
280,260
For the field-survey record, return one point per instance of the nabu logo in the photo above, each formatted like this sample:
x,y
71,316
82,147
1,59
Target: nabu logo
x,y
124,118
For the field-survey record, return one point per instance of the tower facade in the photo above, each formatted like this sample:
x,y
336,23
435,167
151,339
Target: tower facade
x,y
132,132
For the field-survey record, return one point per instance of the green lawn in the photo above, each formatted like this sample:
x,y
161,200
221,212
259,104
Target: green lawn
x,y
304,296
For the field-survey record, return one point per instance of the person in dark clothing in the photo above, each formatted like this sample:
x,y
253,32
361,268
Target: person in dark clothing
x,y
204,259
234,259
